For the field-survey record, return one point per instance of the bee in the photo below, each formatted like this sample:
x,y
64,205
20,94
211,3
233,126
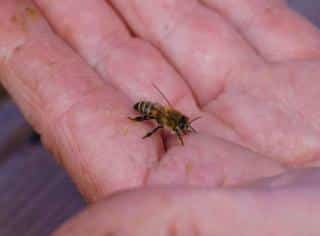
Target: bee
x,y
164,116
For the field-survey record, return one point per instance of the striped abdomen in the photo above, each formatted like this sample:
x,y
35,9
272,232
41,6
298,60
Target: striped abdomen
x,y
147,108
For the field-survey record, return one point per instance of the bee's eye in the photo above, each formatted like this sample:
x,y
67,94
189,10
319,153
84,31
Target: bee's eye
x,y
183,123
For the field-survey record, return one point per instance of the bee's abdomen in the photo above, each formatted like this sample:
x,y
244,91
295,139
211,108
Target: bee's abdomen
x,y
144,107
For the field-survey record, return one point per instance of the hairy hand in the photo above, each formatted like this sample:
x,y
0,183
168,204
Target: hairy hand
x,y
249,68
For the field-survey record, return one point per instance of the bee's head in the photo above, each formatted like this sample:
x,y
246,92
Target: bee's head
x,y
183,123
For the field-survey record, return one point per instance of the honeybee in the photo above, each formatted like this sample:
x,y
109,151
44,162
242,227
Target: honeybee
x,y
164,116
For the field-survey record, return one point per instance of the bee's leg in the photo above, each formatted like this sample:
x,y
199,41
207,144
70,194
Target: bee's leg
x,y
180,137
152,131
140,118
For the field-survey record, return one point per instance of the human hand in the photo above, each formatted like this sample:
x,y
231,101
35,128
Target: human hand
x,y
255,88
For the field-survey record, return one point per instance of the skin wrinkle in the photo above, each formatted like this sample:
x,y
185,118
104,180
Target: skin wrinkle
x,y
84,97
268,10
29,98
48,66
174,23
108,42
180,19
114,42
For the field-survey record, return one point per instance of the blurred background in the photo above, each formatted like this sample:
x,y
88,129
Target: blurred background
x,y
35,194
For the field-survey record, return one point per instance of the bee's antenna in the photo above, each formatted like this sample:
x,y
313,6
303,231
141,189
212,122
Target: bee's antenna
x,y
162,94
194,119
193,130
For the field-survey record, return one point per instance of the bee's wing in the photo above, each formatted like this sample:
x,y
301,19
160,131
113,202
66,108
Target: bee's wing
x,y
162,94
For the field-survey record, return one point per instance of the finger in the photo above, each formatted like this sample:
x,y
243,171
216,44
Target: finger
x,y
82,120
275,30
129,64
196,211
201,45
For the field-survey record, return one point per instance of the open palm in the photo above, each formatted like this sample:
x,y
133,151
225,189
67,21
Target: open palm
x,y
249,68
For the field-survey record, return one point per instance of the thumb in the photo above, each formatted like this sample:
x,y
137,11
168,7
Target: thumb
x,y
199,211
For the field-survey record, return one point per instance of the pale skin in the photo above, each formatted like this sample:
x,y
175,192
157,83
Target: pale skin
x,y
250,68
